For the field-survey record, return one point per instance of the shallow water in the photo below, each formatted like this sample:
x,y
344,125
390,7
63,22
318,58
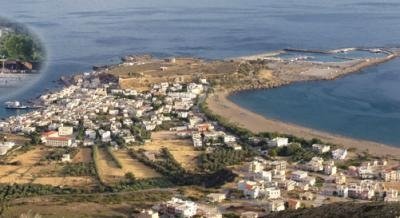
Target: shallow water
x,y
364,105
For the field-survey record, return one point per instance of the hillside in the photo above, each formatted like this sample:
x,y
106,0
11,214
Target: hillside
x,y
375,209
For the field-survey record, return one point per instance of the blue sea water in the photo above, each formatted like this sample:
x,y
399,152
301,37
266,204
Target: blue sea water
x,y
79,34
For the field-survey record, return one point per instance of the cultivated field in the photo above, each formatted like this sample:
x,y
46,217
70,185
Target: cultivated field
x,y
31,169
23,173
83,156
109,172
72,181
181,149
138,169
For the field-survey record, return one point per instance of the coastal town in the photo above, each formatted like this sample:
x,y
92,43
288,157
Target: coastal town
x,y
100,134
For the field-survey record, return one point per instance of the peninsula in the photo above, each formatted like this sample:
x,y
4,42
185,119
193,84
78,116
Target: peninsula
x,y
260,71
154,136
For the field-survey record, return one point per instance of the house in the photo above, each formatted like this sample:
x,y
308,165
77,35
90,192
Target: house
x,y
293,204
148,214
216,197
66,158
249,214
129,139
342,191
315,164
303,177
275,206
330,168
197,140
272,193
106,136
278,165
278,142
307,196
264,175
340,179
361,191
391,196
178,208
299,175
287,185
390,175
339,154
321,148
233,145
366,172
229,138
90,134
256,167
204,127
207,211
250,189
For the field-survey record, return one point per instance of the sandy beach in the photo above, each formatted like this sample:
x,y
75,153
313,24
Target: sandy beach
x,y
219,103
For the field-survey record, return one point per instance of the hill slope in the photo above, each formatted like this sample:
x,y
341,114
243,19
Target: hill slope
x,y
375,209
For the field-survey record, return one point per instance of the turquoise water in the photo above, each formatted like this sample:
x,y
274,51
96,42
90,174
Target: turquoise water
x,y
364,105
79,34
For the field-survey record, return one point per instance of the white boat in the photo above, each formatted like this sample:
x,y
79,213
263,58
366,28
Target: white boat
x,y
15,105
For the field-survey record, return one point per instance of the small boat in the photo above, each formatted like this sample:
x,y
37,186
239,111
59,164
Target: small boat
x,y
15,105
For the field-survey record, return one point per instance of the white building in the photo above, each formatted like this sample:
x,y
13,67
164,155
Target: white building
x,y
278,142
264,175
229,138
342,191
5,147
106,136
256,167
216,197
339,154
272,193
66,158
178,208
148,214
391,196
197,141
275,206
315,164
90,134
303,177
250,189
321,148
330,168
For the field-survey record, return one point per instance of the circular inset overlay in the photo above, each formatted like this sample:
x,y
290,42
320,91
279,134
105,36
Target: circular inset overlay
x,y
22,56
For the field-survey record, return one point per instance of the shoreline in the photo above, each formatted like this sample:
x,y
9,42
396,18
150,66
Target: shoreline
x,y
219,104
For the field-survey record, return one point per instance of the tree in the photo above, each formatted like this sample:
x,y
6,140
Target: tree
x,y
22,47
130,177
272,153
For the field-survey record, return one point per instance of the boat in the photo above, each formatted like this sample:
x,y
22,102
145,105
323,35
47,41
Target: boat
x,y
15,105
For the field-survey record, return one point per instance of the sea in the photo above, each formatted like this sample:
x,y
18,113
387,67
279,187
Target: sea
x,y
79,34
